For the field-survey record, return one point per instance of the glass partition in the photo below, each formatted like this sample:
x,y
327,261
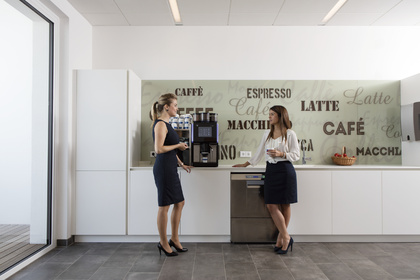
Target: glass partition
x,y
25,125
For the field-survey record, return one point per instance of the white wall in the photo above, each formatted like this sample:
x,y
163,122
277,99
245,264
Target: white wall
x,y
260,53
75,52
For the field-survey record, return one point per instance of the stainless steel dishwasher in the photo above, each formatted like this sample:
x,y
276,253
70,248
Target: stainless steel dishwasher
x,y
250,221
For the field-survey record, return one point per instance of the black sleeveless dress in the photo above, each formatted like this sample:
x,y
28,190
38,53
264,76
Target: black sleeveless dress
x,y
165,170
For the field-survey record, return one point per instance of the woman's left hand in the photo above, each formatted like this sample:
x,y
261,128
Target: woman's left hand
x,y
187,168
275,153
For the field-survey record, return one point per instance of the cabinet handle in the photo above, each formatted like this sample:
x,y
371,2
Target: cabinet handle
x,y
253,186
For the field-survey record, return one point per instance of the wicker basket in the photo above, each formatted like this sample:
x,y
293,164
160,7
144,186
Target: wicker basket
x,y
343,160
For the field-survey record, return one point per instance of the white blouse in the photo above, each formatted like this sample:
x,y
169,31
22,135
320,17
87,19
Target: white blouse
x,y
291,148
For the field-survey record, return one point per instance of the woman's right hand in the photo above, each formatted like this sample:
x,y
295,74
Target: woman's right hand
x,y
182,146
241,164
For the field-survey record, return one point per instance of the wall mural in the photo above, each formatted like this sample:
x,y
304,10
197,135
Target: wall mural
x,y
363,116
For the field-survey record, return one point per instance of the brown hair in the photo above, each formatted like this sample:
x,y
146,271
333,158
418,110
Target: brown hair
x,y
158,106
284,122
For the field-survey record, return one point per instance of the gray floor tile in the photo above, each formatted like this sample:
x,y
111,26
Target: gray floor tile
x,y
110,273
292,261
319,253
266,258
396,268
69,256
241,271
46,271
209,266
307,272
142,276
176,272
368,270
208,248
275,274
370,249
338,272
179,267
104,249
345,251
84,267
234,253
120,261
148,262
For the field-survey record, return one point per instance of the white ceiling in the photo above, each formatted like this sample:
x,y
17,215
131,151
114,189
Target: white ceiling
x,y
249,12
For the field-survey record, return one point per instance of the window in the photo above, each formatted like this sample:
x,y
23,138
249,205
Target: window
x,y
26,131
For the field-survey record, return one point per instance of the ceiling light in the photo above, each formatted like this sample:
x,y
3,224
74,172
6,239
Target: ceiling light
x,y
333,11
175,12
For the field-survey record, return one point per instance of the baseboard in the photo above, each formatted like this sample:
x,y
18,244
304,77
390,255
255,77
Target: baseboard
x,y
65,242
226,238
150,238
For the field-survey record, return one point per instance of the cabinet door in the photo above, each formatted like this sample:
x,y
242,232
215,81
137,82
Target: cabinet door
x,y
401,207
357,202
101,119
143,204
100,203
207,202
312,213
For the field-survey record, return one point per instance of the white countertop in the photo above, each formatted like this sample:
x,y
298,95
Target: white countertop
x,y
260,168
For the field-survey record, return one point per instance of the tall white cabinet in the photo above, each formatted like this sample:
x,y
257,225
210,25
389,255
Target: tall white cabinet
x,y
107,144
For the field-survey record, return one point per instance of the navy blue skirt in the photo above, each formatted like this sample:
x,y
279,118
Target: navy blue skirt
x,y
280,185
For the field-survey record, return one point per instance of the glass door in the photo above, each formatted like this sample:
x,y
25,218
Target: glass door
x,y
26,132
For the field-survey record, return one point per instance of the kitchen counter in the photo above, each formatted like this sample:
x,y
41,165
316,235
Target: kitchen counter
x,y
260,168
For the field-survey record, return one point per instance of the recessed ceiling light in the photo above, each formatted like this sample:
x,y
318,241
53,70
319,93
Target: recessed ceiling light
x,y
333,11
175,12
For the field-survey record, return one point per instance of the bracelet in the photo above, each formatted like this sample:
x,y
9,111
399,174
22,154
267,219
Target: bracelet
x,y
181,164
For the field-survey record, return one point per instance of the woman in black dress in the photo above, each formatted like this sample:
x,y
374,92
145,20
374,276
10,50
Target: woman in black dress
x,y
280,147
166,142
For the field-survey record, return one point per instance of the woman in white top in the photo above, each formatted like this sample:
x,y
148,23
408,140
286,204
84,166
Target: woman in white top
x,y
280,147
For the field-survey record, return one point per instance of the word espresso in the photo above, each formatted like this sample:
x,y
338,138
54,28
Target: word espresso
x,y
268,93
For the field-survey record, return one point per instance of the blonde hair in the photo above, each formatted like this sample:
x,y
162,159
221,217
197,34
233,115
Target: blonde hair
x,y
158,106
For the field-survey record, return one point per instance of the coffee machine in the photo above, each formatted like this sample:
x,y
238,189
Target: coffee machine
x,y
205,140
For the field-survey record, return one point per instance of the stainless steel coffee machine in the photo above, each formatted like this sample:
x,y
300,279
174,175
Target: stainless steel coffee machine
x,y
205,140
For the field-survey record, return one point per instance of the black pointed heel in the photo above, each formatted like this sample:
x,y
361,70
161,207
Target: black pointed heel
x,y
171,254
290,245
181,250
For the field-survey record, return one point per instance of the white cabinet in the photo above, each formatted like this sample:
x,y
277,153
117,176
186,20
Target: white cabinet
x,y
312,213
401,207
357,202
143,204
207,202
100,203
101,98
108,106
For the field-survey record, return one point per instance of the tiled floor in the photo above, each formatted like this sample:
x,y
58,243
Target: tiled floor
x,y
216,261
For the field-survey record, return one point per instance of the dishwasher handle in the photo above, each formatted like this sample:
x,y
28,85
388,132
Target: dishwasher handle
x,y
252,184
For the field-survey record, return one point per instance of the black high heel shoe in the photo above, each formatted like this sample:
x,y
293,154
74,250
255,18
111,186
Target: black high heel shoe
x,y
290,245
181,250
168,254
